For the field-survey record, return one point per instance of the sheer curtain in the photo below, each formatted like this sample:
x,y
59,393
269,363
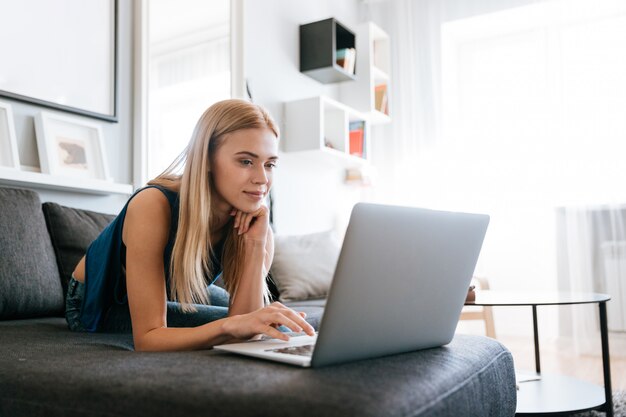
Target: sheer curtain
x,y
516,109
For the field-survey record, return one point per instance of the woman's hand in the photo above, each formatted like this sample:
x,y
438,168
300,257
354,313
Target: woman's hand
x,y
253,225
265,321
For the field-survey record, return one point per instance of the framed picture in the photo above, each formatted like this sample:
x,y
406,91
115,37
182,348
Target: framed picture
x,y
70,147
8,141
69,62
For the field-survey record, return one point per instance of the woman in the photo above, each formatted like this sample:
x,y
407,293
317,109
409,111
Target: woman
x,y
149,268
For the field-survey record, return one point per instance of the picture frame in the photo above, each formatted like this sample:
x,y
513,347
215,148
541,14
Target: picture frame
x,y
73,67
71,147
9,157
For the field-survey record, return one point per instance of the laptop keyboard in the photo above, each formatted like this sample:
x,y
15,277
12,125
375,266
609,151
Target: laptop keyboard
x,y
304,350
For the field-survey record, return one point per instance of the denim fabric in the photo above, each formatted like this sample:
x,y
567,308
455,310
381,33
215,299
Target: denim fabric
x,y
117,318
73,302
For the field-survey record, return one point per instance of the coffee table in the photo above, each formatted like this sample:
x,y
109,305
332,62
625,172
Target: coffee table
x,y
556,394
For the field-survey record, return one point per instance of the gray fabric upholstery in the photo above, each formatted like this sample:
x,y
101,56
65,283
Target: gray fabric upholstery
x,y
71,231
45,370
29,278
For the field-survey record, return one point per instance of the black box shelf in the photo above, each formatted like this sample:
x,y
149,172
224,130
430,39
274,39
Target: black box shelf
x,y
319,43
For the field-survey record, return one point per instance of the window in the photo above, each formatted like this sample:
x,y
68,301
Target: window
x,y
190,59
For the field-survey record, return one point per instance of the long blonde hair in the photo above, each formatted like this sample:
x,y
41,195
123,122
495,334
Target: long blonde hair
x,y
191,256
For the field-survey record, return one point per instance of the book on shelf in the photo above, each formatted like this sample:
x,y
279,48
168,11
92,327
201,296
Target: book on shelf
x,y
380,98
356,143
357,139
346,59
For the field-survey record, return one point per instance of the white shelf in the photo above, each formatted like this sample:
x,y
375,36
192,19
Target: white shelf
x,y
346,159
378,118
379,74
373,68
322,126
20,178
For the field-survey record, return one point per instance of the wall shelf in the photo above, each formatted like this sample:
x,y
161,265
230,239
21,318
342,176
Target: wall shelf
x,y
370,93
328,128
320,44
379,74
20,178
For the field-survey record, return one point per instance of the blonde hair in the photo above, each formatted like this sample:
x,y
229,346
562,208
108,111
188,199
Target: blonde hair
x,y
191,256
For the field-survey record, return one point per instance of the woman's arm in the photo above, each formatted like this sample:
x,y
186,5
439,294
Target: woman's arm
x,y
255,231
145,234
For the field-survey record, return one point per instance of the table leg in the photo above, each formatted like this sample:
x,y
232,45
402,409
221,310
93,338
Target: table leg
x,y
606,362
536,334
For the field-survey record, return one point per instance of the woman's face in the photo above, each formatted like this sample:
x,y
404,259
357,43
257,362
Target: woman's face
x,y
242,169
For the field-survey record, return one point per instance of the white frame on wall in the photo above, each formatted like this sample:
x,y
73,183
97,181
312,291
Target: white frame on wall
x,y
70,147
84,81
9,157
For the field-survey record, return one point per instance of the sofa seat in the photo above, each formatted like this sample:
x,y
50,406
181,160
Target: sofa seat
x,y
46,370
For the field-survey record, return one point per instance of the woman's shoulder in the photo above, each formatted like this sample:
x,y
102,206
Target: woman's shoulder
x,y
147,216
149,197
169,191
151,205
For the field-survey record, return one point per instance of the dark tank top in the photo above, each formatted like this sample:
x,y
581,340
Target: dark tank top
x,y
105,279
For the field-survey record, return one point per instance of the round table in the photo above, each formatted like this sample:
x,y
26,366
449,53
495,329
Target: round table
x,y
556,394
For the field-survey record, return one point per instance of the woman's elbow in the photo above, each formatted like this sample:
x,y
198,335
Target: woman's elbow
x,y
144,342
141,345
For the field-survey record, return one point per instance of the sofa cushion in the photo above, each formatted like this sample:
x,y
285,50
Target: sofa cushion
x,y
29,278
304,265
97,375
71,231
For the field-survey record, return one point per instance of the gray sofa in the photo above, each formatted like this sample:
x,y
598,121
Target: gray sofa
x,y
46,370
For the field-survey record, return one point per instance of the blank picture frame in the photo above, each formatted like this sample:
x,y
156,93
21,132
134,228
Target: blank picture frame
x,y
69,62
70,147
9,157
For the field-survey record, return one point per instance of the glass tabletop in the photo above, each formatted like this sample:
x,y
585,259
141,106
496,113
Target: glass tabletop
x,y
526,298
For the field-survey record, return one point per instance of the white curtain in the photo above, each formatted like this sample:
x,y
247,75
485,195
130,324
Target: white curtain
x,y
516,109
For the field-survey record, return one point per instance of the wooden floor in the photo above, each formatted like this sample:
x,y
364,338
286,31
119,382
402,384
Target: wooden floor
x,y
553,360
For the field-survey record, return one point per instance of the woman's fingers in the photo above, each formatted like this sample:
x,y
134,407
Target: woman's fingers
x,y
245,225
244,220
306,327
276,334
266,321
286,321
295,318
238,219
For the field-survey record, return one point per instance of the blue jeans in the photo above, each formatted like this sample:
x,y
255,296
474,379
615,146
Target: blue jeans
x,y
117,318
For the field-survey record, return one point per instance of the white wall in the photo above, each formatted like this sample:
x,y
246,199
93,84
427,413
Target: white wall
x,y
117,136
309,194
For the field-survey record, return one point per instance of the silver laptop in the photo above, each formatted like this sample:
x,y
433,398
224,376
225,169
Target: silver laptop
x,y
399,286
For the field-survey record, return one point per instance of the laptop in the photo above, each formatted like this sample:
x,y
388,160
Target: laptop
x,y
399,286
